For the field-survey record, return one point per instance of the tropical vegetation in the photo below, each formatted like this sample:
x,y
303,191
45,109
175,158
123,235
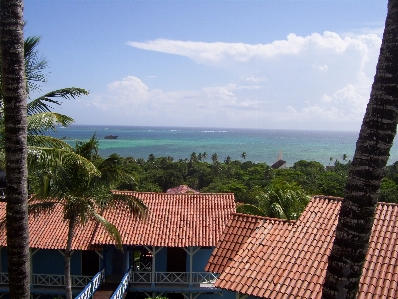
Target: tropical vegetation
x,y
58,173
279,200
82,196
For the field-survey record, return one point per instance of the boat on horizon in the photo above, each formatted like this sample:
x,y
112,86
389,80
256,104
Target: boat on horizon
x,y
111,137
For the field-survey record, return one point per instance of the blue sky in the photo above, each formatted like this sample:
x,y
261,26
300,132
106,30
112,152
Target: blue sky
x,y
231,64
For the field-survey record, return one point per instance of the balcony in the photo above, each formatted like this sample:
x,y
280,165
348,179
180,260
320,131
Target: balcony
x,y
48,283
144,281
204,279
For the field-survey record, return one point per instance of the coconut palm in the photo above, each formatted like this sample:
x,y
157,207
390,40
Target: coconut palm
x,y
83,198
13,91
367,170
43,153
280,200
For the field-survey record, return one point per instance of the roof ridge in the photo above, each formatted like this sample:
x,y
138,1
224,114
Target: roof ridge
x,y
336,198
173,194
264,217
328,197
382,203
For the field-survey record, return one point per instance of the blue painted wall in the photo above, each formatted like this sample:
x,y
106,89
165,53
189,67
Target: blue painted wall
x,y
115,261
46,261
161,260
200,259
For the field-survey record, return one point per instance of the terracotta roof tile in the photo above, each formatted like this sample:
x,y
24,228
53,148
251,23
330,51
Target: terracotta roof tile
x,y
176,220
240,230
289,260
49,231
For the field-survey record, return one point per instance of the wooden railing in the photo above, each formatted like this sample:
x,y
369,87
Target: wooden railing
x,y
3,277
173,277
94,284
51,280
58,280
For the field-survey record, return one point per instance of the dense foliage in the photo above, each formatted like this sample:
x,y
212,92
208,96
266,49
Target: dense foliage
x,y
247,180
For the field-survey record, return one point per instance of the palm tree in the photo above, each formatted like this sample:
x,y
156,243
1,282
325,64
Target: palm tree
x,y
280,200
367,170
214,158
83,197
13,91
204,155
243,155
44,154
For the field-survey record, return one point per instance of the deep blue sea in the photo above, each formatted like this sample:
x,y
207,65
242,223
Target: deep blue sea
x,y
259,145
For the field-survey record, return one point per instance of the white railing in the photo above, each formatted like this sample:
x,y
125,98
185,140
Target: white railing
x,y
94,284
143,267
3,277
204,277
171,277
118,294
58,280
174,277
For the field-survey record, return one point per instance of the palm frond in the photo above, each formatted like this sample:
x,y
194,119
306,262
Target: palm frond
x,y
135,205
40,123
42,104
38,208
276,211
51,158
110,228
47,141
34,65
249,209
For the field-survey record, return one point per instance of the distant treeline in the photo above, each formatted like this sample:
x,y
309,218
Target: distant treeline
x,y
244,178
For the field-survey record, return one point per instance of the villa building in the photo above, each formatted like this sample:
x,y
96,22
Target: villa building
x,y
194,246
164,254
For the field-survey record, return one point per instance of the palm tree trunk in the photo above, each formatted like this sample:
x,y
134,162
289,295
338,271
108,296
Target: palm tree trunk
x,y
367,170
13,91
68,281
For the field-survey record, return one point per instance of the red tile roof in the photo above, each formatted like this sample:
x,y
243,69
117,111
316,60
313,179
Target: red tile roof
x,y
49,231
289,260
239,229
176,220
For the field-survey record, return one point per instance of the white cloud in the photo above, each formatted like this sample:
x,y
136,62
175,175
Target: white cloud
x,y
129,91
317,81
203,52
255,79
322,68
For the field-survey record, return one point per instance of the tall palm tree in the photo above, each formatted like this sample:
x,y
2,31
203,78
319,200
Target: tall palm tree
x,y
367,170
13,90
83,197
43,153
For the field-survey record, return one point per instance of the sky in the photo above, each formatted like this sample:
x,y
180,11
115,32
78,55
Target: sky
x,y
265,64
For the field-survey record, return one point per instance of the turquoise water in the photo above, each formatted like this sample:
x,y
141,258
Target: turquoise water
x,y
259,145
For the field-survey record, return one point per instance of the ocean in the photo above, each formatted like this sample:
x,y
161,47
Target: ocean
x,y
259,145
